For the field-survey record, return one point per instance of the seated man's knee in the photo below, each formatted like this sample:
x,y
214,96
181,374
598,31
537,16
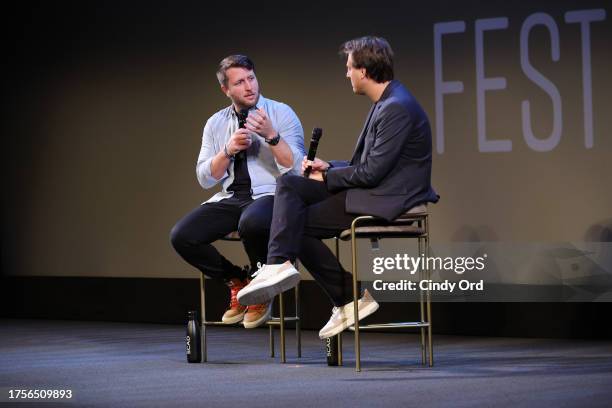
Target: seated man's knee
x,y
253,226
287,180
177,236
185,235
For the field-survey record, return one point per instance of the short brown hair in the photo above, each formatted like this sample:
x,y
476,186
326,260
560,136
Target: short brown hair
x,y
233,61
372,53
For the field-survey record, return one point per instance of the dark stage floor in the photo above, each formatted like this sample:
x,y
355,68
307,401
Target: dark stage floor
x,y
121,364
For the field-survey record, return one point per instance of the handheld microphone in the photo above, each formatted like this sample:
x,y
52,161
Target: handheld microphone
x,y
242,117
312,150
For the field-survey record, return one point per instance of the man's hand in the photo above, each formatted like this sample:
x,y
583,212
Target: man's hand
x,y
316,175
240,140
317,165
258,122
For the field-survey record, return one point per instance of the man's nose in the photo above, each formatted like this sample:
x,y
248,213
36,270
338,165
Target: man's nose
x,y
248,86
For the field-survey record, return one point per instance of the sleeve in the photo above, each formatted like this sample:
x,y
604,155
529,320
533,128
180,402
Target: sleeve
x,y
290,129
394,125
207,153
338,163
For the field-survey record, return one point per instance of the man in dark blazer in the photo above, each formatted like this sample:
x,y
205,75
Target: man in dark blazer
x,y
390,173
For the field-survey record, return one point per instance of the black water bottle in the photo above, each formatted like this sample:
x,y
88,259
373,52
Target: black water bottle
x,y
331,350
194,349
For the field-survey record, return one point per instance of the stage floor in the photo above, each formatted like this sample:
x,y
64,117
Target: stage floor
x,y
124,364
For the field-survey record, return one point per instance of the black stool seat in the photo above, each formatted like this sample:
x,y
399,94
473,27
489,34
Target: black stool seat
x,y
382,231
401,227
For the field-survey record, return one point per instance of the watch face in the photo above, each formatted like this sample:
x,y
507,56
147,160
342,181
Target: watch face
x,y
273,141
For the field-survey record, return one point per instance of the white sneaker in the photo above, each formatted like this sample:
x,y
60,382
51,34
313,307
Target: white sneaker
x,y
344,317
269,281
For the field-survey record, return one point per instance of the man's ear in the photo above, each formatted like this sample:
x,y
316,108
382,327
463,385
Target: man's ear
x,y
225,90
364,74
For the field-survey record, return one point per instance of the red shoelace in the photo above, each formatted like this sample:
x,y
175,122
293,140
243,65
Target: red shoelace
x,y
234,289
258,308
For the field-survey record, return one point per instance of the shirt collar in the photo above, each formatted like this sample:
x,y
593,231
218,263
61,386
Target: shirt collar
x,y
392,84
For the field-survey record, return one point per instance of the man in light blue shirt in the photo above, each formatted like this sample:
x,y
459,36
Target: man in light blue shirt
x,y
245,147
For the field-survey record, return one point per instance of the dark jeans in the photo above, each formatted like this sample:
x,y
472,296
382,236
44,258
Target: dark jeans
x,y
192,236
304,214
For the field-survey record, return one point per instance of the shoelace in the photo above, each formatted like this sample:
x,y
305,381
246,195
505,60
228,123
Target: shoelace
x,y
260,268
234,289
258,308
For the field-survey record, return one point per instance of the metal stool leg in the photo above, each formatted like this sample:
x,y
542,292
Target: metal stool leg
x,y
203,317
428,293
339,334
282,327
271,339
421,304
298,321
355,298
282,319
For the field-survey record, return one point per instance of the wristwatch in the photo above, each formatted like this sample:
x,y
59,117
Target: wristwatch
x,y
229,156
273,141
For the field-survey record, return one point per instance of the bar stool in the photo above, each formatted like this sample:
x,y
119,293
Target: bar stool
x,y
412,224
273,322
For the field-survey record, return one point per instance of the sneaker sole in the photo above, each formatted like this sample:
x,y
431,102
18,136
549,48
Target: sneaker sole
x,y
233,320
260,321
350,321
264,294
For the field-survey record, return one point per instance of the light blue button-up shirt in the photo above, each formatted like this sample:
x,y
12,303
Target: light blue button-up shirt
x,y
262,165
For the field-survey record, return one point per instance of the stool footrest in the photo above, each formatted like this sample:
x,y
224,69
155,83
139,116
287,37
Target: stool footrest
x,y
276,320
287,318
218,323
398,325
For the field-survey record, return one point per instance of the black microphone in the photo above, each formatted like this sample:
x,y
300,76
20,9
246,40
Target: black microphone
x,y
242,118
312,150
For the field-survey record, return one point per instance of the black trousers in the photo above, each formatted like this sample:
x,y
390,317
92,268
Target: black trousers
x,y
193,235
304,214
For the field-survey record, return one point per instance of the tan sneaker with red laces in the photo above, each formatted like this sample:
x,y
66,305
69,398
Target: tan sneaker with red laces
x,y
256,315
236,311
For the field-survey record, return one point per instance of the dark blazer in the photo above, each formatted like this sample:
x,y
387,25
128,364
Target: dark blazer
x,y
390,171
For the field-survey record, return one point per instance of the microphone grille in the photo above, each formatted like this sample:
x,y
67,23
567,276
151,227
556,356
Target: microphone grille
x,y
317,133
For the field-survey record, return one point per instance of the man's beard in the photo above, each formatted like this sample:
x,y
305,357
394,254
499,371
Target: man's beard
x,y
248,104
